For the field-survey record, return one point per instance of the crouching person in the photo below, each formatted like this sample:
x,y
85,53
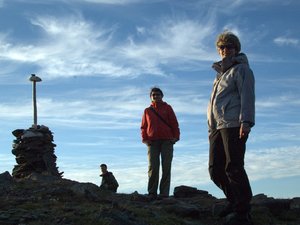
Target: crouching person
x,y
109,181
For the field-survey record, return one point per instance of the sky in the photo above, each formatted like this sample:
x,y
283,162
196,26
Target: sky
x,y
98,60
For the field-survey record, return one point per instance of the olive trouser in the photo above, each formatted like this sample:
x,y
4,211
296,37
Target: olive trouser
x,y
226,167
163,148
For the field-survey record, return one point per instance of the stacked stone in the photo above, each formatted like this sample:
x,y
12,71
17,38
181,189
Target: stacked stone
x,y
34,152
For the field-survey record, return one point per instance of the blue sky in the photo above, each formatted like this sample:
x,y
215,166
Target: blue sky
x,y
98,60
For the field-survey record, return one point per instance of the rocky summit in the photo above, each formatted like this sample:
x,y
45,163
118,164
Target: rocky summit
x,y
39,199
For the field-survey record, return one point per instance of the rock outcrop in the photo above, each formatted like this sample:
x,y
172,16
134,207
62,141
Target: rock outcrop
x,y
38,199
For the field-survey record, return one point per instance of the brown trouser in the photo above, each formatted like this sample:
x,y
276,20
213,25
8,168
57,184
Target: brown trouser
x,y
157,149
226,167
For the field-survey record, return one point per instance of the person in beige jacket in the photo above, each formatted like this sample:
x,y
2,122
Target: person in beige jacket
x,y
230,114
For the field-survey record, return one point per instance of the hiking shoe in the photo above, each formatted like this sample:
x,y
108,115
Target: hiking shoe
x,y
238,219
152,197
161,197
226,211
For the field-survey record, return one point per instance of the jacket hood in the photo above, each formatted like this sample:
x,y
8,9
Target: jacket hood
x,y
241,58
228,62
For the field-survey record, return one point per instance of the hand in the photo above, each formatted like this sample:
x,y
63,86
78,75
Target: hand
x,y
174,140
244,130
147,142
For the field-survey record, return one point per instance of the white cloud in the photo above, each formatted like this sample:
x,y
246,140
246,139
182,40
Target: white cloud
x,y
188,168
268,133
267,103
181,40
133,170
273,103
75,47
286,41
8,110
94,109
71,47
108,2
6,160
141,30
275,162
114,2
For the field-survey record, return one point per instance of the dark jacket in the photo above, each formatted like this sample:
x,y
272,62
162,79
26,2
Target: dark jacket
x,y
109,182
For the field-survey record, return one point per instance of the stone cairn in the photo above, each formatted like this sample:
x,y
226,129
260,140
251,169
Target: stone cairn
x,y
34,152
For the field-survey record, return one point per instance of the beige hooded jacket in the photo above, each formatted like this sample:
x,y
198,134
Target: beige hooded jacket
x,y
232,99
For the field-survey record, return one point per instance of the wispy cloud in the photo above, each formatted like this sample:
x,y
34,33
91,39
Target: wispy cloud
x,y
271,160
6,161
274,102
197,173
8,110
268,133
73,46
115,2
134,177
173,40
93,110
93,50
281,41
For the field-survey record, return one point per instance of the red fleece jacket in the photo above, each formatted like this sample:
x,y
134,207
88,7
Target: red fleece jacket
x,y
153,128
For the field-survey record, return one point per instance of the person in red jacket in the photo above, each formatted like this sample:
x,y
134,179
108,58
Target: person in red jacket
x,y
160,131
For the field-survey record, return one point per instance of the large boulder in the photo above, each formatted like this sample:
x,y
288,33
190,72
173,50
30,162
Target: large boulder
x,y
187,192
